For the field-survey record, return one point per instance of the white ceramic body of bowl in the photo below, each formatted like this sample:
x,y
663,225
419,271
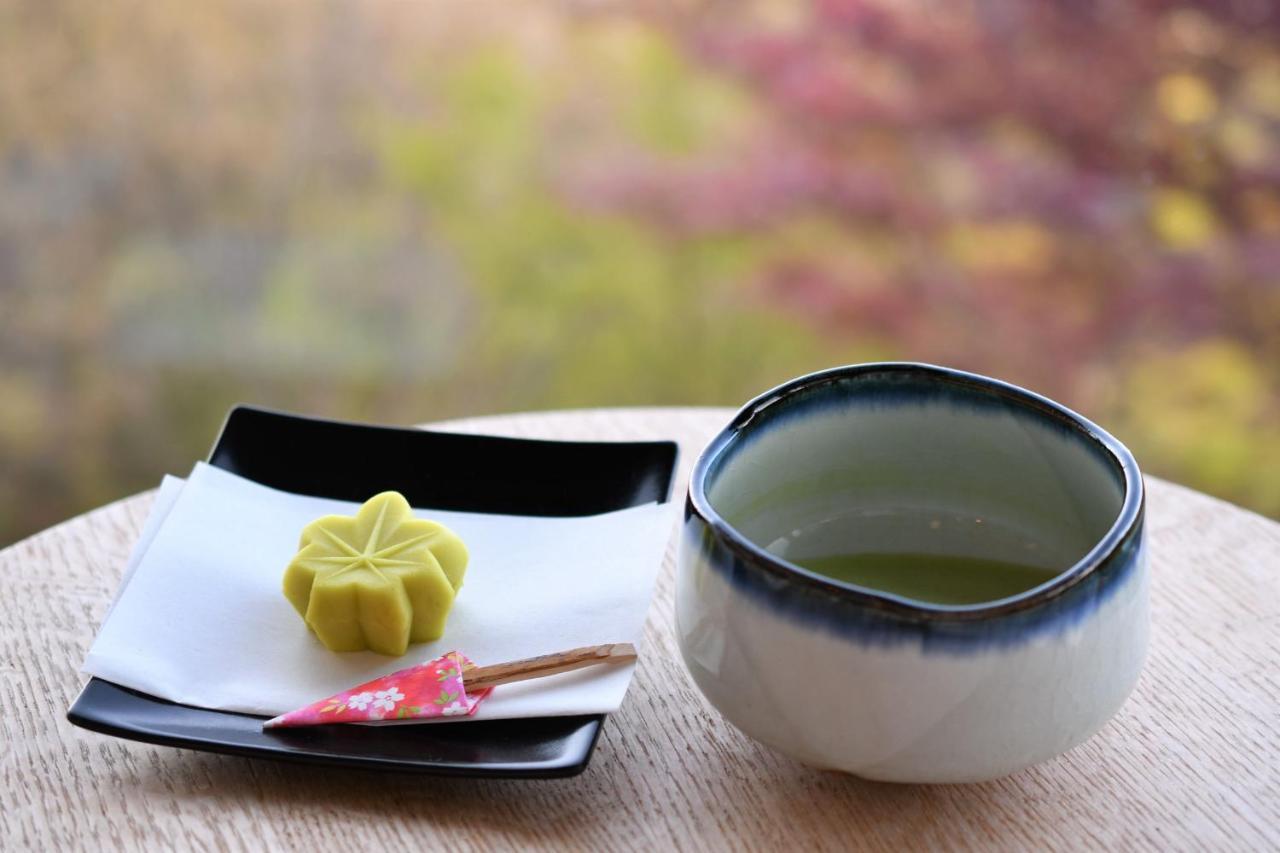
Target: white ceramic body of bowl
x,y
844,677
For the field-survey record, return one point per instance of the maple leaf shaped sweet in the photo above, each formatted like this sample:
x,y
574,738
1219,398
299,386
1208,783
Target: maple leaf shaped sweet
x,y
379,580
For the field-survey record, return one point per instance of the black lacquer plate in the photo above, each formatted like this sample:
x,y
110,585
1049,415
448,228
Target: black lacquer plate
x,y
470,473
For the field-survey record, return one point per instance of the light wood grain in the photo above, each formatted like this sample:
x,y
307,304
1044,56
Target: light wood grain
x,y
1189,763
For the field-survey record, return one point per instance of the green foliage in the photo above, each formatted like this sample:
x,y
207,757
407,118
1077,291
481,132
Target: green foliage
x,y
668,106
578,307
1205,412
228,208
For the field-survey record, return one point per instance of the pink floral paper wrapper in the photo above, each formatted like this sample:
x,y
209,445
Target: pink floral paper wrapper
x,y
431,689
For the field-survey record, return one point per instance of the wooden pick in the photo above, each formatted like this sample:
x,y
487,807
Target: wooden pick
x,y
477,678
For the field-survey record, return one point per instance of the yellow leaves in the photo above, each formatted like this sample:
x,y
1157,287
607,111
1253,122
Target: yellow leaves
x,y
1207,413
23,426
1012,246
648,85
1186,99
1182,219
1260,89
1244,142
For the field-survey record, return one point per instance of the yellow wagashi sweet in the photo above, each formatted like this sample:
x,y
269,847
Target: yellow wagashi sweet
x,y
378,580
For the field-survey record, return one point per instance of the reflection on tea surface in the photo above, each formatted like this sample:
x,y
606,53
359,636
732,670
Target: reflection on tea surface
x,y
935,578
926,554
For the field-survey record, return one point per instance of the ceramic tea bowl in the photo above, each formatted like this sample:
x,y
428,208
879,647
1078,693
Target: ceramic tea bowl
x,y
913,465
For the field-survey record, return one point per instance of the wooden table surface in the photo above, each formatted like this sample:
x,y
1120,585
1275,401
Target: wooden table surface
x,y
1189,762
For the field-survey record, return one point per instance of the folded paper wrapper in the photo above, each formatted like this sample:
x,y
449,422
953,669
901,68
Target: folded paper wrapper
x,y
432,689
200,618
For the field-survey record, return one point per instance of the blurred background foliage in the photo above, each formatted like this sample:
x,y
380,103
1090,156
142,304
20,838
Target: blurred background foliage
x,y
403,212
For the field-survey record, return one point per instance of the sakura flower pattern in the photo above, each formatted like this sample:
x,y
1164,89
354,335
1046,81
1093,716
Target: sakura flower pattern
x,y
385,700
360,701
432,689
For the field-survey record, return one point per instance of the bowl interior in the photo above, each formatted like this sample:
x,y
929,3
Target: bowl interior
x,y
921,483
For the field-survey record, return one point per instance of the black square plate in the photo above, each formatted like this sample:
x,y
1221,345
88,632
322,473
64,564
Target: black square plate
x,y
471,473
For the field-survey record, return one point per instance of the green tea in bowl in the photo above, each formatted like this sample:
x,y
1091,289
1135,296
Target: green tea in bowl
x,y
926,554
912,573
936,578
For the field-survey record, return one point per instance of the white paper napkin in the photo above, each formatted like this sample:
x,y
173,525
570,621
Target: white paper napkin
x,y
166,496
201,618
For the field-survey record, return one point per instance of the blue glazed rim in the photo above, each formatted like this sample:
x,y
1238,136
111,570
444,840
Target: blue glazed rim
x,y
1127,524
